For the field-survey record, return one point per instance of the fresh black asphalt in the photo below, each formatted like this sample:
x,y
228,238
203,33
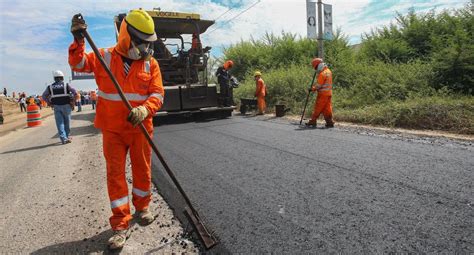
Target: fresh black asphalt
x,y
264,185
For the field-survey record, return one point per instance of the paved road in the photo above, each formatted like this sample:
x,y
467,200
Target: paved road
x,y
263,185
54,197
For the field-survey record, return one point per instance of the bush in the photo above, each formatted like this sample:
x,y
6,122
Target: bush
x,y
451,113
404,75
284,85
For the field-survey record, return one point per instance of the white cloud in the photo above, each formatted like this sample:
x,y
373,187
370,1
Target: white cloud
x,y
30,31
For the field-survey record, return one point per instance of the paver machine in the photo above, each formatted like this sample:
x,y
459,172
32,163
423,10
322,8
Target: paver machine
x,y
183,64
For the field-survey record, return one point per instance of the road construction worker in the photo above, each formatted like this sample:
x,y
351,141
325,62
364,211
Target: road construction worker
x,y
22,102
260,93
323,86
59,96
138,74
93,99
224,80
77,97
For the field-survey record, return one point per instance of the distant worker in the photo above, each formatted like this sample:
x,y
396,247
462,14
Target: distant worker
x,y
78,101
22,102
260,93
323,86
224,80
5,91
196,45
59,95
139,76
13,94
93,99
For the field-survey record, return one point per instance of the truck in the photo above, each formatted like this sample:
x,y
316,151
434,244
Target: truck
x,y
183,63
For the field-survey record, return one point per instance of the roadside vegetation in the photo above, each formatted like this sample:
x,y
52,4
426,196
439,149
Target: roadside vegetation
x,y
416,73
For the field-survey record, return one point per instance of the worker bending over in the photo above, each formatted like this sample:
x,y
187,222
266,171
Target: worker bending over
x,y
323,86
260,93
138,74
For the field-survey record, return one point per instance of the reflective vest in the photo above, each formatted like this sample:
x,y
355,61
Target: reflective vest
x,y
59,93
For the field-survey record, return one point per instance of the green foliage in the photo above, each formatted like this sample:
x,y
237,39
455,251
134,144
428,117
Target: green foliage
x,y
268,53
453,113
284,85
408,74
445,40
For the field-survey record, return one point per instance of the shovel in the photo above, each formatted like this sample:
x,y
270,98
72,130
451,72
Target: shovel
x,y
206,237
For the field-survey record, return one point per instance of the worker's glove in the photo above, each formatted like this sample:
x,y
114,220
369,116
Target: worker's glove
x,y
137,115
78,26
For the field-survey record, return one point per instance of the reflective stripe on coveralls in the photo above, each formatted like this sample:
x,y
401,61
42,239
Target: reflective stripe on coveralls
x,y
325,87
140,192
129,96
119,202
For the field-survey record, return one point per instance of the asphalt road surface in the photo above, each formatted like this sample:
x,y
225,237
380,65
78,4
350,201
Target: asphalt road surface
x,y
264,185
54,197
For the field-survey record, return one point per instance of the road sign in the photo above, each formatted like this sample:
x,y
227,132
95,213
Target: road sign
x,y
311,19
328,22
81,76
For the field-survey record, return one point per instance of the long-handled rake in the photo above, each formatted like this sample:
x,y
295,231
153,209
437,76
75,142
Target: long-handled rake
x,y
307,97
206,237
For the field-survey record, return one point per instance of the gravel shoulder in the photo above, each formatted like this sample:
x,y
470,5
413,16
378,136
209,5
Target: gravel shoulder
x,y
54,196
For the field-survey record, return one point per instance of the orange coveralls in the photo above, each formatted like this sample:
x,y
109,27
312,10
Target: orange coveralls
x,y
260,93
323,102
142,86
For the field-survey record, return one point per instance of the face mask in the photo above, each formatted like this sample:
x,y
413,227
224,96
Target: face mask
x,y
320,67
140,51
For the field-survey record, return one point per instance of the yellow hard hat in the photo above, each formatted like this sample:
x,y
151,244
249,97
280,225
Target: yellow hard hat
x,y
257,73
141,24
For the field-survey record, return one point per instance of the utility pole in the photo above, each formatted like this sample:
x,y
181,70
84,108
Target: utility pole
x,y
320,30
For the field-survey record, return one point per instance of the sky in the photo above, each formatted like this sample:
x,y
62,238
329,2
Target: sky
x,y
34,34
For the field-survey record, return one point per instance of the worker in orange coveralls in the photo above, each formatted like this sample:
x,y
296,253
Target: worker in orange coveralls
x,y
131,62
260,93
323,86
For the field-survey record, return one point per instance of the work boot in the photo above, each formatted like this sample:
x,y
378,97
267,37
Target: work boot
x,y
329,123
117,241
311,123
144,217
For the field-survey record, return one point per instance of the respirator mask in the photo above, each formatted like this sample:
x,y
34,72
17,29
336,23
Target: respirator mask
x,y
140,50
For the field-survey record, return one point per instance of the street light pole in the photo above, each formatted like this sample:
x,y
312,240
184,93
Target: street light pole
x,y
320,30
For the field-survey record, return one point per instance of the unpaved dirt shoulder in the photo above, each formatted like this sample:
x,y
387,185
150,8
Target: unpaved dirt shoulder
x,y
428,136
55,197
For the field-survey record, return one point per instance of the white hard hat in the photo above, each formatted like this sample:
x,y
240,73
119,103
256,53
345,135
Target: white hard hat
x,y
58,73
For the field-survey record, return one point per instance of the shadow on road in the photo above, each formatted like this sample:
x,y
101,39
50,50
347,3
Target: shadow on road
x,y
170,120
39,147
95,244
87,131
85,116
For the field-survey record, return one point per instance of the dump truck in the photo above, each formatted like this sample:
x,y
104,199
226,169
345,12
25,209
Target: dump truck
x,y
183,63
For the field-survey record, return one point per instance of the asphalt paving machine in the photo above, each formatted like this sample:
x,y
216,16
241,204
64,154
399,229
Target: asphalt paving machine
x,y
184,68
183,63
